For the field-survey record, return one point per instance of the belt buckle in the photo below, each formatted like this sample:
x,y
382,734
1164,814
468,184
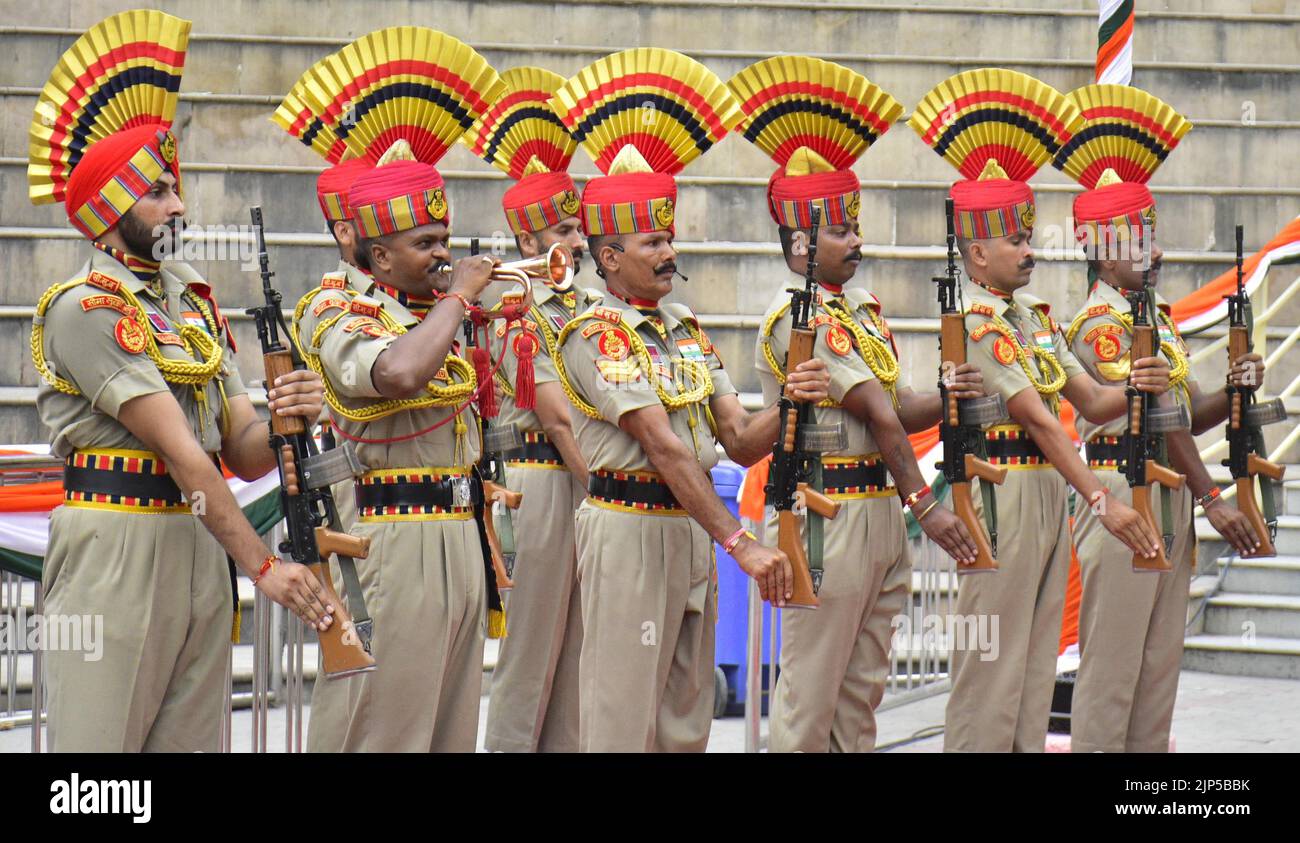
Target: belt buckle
x,y
461,493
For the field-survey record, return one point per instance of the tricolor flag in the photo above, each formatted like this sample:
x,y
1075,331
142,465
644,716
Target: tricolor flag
x,y
1206,307
1115,42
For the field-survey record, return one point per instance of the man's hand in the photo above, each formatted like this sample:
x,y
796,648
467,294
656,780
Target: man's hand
x,y
949,532
297,393
471,275
1247,372
1150,374
769,567
293,586
965,382
1124,523
809,382
1233,526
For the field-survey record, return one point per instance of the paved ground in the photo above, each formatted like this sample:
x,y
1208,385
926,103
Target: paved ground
x,y
1214,714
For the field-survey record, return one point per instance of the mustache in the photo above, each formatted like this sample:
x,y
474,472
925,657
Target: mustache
x,y
667,266
1028,263
855,255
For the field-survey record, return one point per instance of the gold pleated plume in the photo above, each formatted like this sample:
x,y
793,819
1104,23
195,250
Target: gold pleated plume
x,y
297,117
519,134
1125,130
123,72
402,83
671,108
791,102
999,115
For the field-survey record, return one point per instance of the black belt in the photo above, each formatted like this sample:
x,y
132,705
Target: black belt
x,y
96,481
631,491
1001,449
535,452
439,493
854,476
1106,452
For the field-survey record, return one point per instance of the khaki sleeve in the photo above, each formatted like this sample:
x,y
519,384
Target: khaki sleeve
x,y
982,347
1101,347
722,384
847,369
1064,355
348,351
611,383
232,381
89,347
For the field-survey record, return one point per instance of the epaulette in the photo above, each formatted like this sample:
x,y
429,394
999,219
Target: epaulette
x,y
103,282
980,309
609,314
366,306
334,281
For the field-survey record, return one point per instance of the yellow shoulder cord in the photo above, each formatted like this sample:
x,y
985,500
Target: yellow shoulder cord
x,y
876,354
1049,368
1179,367
200,392
197,342
701,384
692,412
461,372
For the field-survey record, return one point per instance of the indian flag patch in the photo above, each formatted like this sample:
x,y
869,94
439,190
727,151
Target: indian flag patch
x,y
1043,339
690,350
1167,335
193,317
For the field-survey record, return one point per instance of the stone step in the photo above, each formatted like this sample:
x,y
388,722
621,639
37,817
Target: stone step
x,y
1276,575
1272,615
1231,654
966,29
728,207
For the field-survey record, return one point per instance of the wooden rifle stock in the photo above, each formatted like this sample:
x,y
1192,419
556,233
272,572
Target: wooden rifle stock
x,y
492,493
789,539
1248,505
1150,471
790,542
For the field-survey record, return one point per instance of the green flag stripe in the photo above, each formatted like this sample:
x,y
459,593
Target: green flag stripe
x,y
1114,22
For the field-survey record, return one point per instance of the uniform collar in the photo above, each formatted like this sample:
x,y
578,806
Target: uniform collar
x,y
392,306
633,316
104,264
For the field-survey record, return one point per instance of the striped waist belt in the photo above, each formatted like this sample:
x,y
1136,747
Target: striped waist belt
x,y
1013,447
639,491
1106,452
120,480
856,476
418,494
537,450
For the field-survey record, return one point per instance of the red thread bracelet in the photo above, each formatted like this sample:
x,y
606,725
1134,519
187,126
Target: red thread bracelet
x,y
267,565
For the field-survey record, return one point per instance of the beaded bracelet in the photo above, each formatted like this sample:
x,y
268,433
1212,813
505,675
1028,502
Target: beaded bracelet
x,y
268,565
1209,497
911,500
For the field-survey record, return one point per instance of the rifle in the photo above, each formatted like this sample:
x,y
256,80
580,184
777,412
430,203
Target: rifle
x,y
305,498
794,479
1145,442
961,422
1245,420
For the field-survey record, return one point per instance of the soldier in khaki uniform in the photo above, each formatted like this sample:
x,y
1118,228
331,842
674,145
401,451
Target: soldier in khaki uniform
x,y
652,402
141,394
1000,702
835,661
1132,623
534,705
398,391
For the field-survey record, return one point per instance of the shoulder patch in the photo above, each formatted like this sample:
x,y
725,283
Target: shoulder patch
x,y
1106,348
355,323
104,300
167,338
376,331
333,281
980,332
328,303
1098,310
981,309
823,319
129,335
609,314
1004,351
1108,329
103,282
619,371
363,306
614,344
838,340
594,327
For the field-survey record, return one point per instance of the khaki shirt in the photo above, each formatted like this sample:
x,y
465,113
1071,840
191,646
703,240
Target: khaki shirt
x,y
994,354
603,371
347,350
1101,341
845,363
545,320
81,345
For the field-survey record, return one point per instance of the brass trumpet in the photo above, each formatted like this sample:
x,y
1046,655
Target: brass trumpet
x,y
556,267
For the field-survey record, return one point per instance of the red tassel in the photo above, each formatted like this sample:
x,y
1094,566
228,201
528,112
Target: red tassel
x,y
487,399
525,347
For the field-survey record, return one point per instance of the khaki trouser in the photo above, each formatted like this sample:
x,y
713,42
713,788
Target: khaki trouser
x,y
534,705
835,660
1001,704
648,613
161,584
1131,627
424,586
